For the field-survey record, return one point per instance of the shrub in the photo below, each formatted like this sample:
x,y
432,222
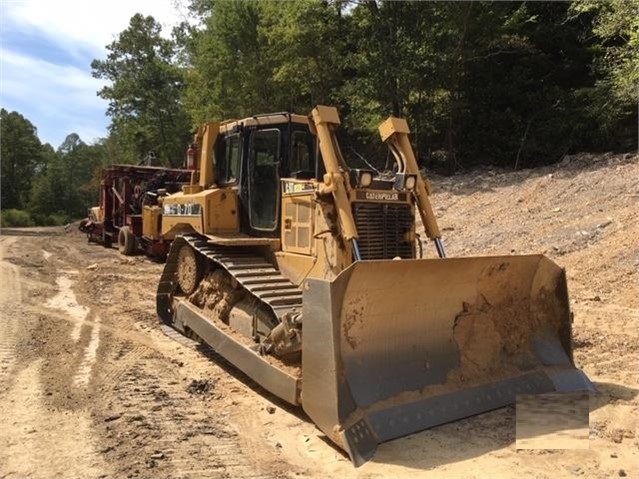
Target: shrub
x,y
56,219
15,218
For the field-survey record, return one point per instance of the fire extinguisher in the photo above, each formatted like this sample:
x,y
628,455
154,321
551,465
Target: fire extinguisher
x,y
191,152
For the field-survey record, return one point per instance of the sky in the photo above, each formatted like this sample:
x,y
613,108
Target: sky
x,y
46,49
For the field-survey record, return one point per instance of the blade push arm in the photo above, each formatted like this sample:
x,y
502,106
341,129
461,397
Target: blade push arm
x,y
325,119
205,139
394,133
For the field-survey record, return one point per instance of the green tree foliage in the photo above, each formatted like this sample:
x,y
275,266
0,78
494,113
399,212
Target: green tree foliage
x,y
144,94
21,155
42,184
230,73
508,83
70,183
613,102
616,23
305,42
395,65
480,82
262,56
523,71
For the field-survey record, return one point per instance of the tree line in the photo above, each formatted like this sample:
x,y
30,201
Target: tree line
x,y
513,84
41,185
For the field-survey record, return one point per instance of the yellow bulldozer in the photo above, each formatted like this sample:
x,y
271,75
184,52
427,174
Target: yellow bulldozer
x,y
307,275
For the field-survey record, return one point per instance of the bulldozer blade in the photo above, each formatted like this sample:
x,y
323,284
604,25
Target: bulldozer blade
x,y
394,347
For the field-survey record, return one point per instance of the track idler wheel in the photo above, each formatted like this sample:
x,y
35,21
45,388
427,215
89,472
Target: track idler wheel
x,y
189,269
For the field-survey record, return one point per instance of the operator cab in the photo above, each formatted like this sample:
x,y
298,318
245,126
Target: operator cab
x,y
253,154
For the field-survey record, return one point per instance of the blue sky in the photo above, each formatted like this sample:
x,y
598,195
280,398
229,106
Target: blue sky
x,y
46,49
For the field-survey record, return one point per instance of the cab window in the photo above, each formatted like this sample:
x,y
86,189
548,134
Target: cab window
x,y
301,163
228,166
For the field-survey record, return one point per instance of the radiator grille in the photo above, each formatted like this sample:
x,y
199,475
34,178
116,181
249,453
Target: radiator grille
x,y
383,230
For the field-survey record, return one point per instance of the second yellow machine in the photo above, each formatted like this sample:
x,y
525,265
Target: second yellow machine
x,y
307,275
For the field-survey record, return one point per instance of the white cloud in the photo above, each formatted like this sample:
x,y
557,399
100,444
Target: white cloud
x,y
33,75
61,99
80,25
52,97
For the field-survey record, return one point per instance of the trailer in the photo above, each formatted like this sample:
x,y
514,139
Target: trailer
x,y
129,212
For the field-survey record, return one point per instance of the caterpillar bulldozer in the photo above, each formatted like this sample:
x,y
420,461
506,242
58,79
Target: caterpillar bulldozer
x,y
307,275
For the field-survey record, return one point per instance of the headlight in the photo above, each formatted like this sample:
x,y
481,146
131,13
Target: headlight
x,y
365,179
404,182
361,178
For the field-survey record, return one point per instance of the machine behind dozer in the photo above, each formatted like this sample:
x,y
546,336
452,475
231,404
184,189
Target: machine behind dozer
x,y
128,212
306,274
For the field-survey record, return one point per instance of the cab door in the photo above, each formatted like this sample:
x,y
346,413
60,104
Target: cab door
x,y
264,181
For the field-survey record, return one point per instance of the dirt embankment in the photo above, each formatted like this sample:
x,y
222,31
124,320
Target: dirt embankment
x,y
90,387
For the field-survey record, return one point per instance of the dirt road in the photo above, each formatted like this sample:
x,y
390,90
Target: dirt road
x,y
91,387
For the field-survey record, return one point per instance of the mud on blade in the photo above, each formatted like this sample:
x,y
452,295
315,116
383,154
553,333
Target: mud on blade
x,y
394,347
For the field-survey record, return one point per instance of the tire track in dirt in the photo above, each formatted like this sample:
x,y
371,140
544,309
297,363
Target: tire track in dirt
x,y
157,411
125,358
10,312
153,417
39,442
42,443
83,374
66,301
38,439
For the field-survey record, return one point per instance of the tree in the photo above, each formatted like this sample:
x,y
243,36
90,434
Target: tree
x,y
479,82
408,59
613,102
21,155
70,183
252,57
230,75
506,83
305,43
145,94
524,68
616,23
